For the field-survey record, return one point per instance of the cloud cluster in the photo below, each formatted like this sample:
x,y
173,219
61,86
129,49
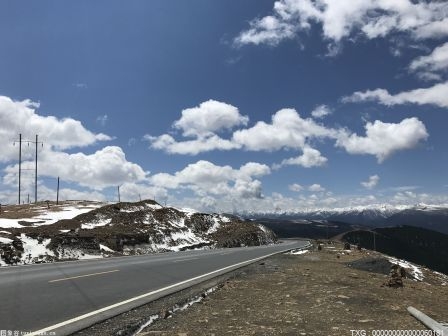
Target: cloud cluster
x,y
371,182
295,187
383,139
201,123
432,66
310,158
21,117
204,178
316,188
106,167
321,111
209,117
344,19
434,95
288,130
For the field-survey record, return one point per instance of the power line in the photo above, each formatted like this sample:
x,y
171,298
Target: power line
x,y
37,142
35,171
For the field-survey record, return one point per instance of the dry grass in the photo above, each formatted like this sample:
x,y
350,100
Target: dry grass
x,y
311,294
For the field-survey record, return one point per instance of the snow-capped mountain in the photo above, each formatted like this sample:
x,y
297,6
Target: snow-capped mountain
x,y
433,217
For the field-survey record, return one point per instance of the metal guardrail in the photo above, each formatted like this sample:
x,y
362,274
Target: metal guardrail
x,y
438,328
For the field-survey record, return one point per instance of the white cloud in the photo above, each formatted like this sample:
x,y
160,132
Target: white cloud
x,y
321,111
435,95
372,182
205,178
287,130
435,29
344,19
208,118
21,117
406,197
316,188
295,187
433,65
310,158
46,193
132,192
201,123
268,30
191,147
252,169
104,168
384,139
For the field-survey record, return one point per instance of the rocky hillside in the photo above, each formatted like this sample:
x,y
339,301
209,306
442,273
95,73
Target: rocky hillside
x,y
119,229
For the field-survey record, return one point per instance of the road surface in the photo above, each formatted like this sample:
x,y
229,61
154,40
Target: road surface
x,y
60,298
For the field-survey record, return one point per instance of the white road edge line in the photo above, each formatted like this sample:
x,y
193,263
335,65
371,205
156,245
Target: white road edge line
x,y
179,260
81,317
83,276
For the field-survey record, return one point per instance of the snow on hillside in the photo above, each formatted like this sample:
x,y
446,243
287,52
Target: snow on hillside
x,y
414,270
94,230
42,215
33,248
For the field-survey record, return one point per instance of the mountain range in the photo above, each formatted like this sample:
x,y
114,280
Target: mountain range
x,y
433,217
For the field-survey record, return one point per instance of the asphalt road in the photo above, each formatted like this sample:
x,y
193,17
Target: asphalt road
x,y
60,298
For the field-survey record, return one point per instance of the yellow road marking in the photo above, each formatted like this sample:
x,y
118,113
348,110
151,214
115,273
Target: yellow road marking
x,y
83,276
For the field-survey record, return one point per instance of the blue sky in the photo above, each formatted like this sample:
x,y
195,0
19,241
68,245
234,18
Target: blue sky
x,y
218,105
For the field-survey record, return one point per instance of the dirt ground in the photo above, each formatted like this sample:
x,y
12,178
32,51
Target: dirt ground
x,y
315,293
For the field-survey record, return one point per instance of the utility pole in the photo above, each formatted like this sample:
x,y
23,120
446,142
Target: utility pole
x,y
35,167
20,164
118,188
20,160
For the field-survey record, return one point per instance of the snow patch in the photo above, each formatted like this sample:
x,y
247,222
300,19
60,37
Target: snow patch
x,y
99,222
73,253
187,211
10,223
5,240
297,252
32,248
69,212
215,227
49,216
300,252
415,271
105,248
142,207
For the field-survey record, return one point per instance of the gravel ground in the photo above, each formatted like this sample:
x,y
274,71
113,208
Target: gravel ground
x,y
317,293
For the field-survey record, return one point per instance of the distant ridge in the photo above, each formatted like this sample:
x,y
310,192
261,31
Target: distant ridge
x,y
434,217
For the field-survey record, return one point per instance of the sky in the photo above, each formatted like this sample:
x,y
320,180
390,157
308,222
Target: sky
x,y
249,105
